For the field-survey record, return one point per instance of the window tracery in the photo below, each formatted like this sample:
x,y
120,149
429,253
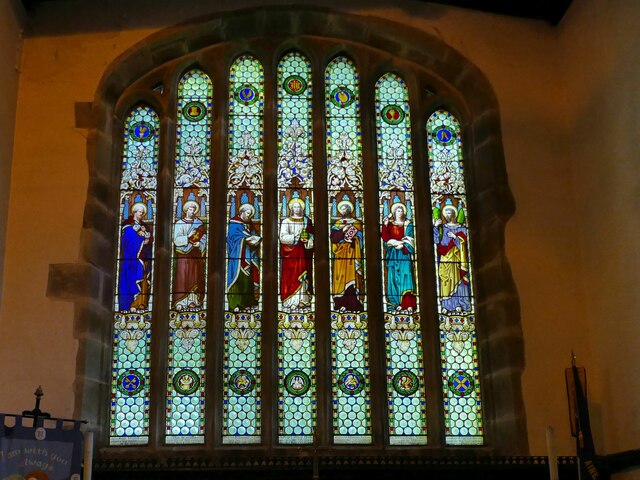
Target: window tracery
x,y
321,292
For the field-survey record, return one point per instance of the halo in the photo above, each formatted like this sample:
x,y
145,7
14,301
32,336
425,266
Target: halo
x,y
450,207
345,202
396,205
144,207
190,203
296,200
247,205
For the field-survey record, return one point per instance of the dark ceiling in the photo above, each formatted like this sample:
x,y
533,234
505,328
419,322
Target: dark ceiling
x,y
550,11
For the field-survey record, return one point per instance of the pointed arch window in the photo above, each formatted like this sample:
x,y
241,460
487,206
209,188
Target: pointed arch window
x,y
345,188
186,362
456,305
402,315
243,293
297,403
299,305
134,299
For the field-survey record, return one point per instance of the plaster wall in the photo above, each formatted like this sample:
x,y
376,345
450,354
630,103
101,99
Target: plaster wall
x,y
602,64
64,59
11,20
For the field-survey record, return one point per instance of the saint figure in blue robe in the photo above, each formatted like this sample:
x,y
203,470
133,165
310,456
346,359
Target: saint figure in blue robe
x,y
243,264
134,284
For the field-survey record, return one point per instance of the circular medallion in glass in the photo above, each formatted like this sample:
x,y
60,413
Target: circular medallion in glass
x,y
130,382
295,85
351,381
141,132
445,135
194,111
297,382
461,383
242,382
246,94
186,382
393,114
405,382
342,97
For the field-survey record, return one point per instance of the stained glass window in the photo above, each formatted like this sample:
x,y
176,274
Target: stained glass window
x,y
243,294
403,339
130,383
188,304
456,310
296,236
310,282
349,332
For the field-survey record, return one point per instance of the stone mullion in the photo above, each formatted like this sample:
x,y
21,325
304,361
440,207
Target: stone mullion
x,y
269,288
160,322
422,103
439,68
216,65
377,358
322,276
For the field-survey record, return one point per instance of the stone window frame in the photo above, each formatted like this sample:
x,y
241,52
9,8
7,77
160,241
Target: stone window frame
x,y
437,76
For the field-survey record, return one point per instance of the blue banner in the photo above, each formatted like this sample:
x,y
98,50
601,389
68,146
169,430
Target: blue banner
x,y
45,450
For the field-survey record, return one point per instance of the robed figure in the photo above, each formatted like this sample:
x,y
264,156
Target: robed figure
x,y
243,274
190,242
347,242
453,261
399,248
296,253
134,284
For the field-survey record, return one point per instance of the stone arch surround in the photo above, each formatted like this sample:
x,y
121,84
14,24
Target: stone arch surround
x,y
459,85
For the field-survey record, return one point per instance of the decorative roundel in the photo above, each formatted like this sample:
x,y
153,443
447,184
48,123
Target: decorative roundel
x,y
461,383
141,132
393,114
405,382
342,97
130,382
194,111
297,382
242,382
186,382
246,94
351,381
295,85
445,135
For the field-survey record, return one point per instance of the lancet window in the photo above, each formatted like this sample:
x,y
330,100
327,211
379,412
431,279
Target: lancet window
x,y
306,283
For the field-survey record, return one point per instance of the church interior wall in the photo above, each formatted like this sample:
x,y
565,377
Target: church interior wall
x,y
12,17
559,241
600,45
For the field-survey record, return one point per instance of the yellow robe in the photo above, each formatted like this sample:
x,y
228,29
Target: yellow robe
x,y
453,266
347,261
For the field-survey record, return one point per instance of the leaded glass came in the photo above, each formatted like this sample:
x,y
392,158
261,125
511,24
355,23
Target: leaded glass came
x,y
456,310
296,236
243,293
349,332
186,380
267,281
133,303
402,318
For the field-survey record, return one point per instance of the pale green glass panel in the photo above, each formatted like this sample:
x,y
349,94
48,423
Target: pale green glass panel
x,y
133,303
185,402
404,361
296,237
349,333
241,409
454,278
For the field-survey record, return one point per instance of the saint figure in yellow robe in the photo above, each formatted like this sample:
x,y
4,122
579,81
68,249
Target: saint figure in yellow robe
x,y
347,245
